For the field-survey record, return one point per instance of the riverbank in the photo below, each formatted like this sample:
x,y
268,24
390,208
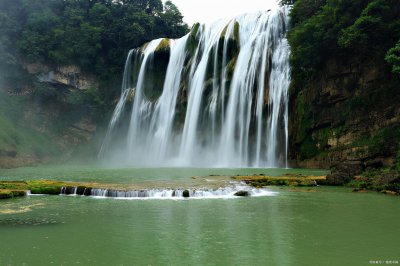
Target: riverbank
x,y
195,186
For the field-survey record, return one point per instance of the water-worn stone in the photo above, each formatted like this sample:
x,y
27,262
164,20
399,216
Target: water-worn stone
x,y
242,193
186,193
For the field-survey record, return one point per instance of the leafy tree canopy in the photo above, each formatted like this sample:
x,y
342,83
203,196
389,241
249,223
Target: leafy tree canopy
x,y
324,29
94,34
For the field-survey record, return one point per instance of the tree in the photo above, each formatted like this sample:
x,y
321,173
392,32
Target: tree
x,y
95,35
393,57
326,29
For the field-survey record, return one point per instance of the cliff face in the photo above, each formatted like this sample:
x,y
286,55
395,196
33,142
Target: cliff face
x,y
43,118
348,116
69,76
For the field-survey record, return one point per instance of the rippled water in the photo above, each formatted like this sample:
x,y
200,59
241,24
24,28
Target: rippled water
x,y
322,226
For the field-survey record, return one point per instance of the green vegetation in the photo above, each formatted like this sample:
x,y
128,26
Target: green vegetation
x,y
95,35
297,180
305,144
384,180
345,58
7,194
42,120
163,46
384,140
393,57
326,29
10,189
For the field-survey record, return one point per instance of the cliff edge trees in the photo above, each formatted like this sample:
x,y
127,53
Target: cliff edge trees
x,y
345,89
92,34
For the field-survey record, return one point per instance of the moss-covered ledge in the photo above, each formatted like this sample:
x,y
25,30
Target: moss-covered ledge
x,y
387,182
7,193
259,181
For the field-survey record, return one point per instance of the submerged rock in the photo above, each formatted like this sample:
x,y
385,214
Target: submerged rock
x,y
28,221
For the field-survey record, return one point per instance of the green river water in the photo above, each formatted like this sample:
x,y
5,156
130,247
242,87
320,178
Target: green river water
x,y
309,226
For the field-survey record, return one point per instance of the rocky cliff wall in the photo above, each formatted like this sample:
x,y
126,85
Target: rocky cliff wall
x,y
347,116
44,118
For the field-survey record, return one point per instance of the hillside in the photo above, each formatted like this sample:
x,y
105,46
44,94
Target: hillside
x,y
345,85
61,65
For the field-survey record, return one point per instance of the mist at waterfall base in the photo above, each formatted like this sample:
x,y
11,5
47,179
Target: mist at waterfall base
x,y
217,97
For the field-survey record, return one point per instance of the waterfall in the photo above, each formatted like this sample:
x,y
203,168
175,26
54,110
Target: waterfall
x,y
217,97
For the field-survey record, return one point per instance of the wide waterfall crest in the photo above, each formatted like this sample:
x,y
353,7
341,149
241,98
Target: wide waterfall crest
x,y
217,97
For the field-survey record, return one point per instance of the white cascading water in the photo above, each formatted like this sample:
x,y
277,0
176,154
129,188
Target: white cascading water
x,y
199,193
223,102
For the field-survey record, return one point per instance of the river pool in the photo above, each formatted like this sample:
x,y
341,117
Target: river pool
x,y
293,226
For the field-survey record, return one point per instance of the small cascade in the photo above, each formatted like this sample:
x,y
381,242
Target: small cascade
x,y
236,190
226,192
217,97
74,191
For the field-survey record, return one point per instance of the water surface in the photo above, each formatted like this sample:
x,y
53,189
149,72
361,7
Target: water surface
x,y
91,173
322,226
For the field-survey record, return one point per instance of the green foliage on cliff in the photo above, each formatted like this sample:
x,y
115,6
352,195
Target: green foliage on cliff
x,y
95,35
393,57
327,29
345,58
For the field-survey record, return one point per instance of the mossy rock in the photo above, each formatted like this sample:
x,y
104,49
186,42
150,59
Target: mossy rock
x,y
50,190
163,46
236,28
194,30
193,40
7,194
157,69
13,185
259,182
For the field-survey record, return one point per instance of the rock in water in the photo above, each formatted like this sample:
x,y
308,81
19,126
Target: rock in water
x,y
242,193
186,193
